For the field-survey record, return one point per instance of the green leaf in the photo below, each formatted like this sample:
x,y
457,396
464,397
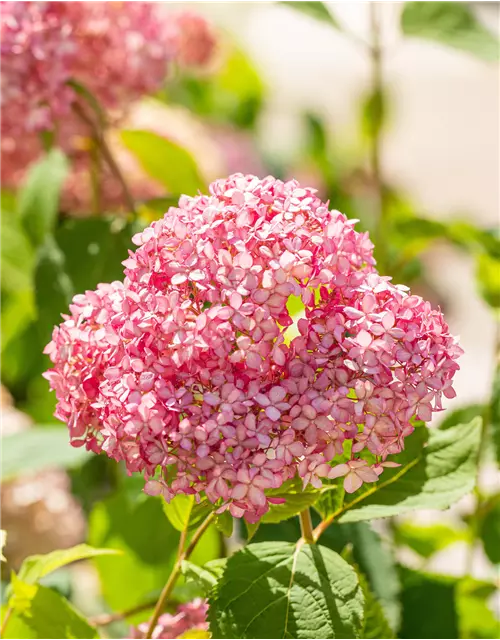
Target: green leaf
x,y
165,161
375,624
297,499
38,201
476,619
489,528
38,566
178,510
203,577
452,24
317,10
282,590
17,254
429,606
434,478
378,564
330,501
427,540
252,528
38,449
495,414
119,522
48,614
461,415
93,249
53,288
224,523
488,278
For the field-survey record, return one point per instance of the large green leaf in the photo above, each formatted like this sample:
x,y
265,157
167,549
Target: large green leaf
x,y
38,449
317,10
282,590
38,200
429,606
450,23
36,567
165,161
47,613
434,478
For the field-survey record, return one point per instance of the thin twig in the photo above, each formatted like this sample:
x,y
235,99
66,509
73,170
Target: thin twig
x,y
6,617
105,151
167,589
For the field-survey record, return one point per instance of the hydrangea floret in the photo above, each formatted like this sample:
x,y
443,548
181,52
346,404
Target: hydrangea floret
x,y
190,370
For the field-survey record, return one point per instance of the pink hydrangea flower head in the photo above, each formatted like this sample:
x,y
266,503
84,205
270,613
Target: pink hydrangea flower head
x,y
191,616
188,366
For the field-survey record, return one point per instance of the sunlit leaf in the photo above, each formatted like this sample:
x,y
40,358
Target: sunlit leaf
x,y
36,567
427,540
435,478
280,590
450,23
165,161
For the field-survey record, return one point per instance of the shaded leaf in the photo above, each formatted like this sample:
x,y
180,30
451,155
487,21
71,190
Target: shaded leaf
x,y
38,201
375,624
203,577
429,607
450,23
281,590
434,478
489,528
165,161
317,10
38,449
461,415
224,523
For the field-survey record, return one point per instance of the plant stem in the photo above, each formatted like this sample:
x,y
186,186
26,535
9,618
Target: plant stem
x,y
105,151
5,620
375,139
306,527
168,588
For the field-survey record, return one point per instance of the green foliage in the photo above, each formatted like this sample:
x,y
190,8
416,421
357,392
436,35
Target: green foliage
x,y
38,201
46,613
224,523
37,449
205,577
429,606
36,567
296,498
281,590
461,415
136,525
476,619
373,113
317,10
427,540
443,472
495,413
165,161
232,94
489,528
183,511
375,624
451,23
488,277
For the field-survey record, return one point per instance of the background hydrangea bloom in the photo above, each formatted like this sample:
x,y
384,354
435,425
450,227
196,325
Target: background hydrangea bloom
x,y
186,366
188,617
119,51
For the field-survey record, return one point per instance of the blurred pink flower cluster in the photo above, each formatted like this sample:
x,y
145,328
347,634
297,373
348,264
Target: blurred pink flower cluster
x,y
191,616
187,373
119,51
